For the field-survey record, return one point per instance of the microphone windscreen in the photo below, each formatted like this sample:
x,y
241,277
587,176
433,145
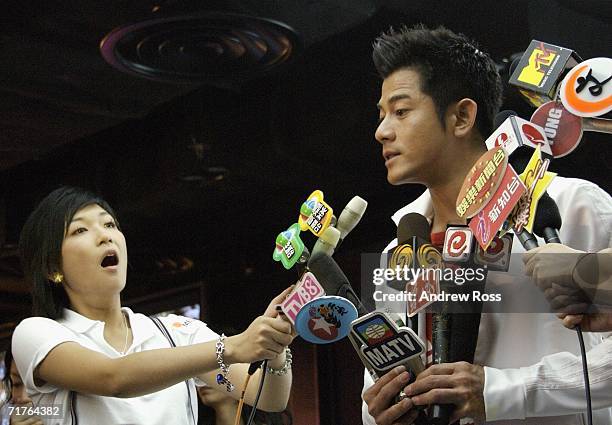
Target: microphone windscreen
x,y
351,215
412,224
328,273
502,116
547,215
513,66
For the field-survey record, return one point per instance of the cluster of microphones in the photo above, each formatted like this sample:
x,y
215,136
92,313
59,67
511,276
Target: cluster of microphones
x,y
504,194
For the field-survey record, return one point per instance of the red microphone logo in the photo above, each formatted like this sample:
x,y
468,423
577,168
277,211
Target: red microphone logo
x,y
501,139
534,135
457,244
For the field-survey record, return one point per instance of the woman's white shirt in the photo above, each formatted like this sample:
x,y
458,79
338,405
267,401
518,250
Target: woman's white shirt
x,y
35,337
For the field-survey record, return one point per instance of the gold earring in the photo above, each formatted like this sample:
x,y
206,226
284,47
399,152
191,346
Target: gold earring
x,y
57,278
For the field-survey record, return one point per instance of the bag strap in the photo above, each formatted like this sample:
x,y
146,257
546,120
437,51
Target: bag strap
x,y
166,334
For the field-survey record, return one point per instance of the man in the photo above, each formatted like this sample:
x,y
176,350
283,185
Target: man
x,y
438,100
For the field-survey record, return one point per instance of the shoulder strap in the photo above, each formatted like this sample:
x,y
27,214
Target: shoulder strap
x,y
73,416
166,334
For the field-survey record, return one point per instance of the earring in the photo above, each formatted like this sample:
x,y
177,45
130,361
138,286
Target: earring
x,y
57,278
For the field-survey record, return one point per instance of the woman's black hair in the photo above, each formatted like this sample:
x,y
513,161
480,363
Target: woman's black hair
x,y
40,245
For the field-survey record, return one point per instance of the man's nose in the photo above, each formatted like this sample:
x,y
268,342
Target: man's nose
x,y
384,132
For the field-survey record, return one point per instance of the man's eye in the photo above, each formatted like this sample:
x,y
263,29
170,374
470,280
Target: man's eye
x,y
110,225
401,112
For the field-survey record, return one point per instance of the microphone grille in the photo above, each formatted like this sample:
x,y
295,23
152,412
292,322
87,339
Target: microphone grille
x,y
547,215
413,224
502,116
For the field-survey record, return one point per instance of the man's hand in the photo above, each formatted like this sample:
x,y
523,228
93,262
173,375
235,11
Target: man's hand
x,y
460,384
551,263
380,399
596,322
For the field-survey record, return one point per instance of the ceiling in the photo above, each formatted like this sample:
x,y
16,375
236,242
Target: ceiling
x,y
209,172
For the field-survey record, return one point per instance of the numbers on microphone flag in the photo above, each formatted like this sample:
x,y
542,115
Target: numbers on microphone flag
x,y
307,289
536,179
315,214
586,90
289,247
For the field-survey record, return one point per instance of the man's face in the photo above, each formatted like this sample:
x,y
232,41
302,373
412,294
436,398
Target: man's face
x,y
410,131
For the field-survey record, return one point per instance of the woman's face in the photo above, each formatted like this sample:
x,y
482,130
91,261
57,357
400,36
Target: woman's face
x,y
94,254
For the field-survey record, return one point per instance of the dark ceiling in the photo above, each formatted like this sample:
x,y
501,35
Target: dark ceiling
x,y
213,171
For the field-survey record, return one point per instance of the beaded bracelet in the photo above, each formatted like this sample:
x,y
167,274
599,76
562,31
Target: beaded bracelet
x,y
283,370
222,377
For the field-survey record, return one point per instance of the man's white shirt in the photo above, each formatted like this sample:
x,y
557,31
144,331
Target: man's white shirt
x,y
532,363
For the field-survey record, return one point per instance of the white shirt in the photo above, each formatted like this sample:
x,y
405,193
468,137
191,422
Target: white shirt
x,y
532,363
35,337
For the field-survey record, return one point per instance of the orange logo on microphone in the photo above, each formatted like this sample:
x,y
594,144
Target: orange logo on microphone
x,y
586,90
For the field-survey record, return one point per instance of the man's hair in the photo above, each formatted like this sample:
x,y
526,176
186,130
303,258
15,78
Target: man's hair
x,y
450,65
40,245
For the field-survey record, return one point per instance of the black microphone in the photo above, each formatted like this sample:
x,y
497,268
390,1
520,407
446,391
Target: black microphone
x,y
412,237
547,220
333,280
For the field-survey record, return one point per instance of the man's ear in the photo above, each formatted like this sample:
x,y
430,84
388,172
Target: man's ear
x,y
463,117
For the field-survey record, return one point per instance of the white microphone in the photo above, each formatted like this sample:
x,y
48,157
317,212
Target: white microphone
x,y
327,242
350,216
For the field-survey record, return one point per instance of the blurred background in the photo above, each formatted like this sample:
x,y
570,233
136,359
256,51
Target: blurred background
x,y
207,124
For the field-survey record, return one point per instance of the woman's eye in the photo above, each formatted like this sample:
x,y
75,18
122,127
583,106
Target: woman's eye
x,y
110,225
79,230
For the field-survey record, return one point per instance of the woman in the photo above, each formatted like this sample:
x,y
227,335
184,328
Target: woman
x,y
100,363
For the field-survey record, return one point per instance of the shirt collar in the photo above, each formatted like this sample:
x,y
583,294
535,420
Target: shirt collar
x,y
77,322
141,326
422,205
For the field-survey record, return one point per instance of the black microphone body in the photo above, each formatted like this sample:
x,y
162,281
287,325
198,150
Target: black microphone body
x,y
333,280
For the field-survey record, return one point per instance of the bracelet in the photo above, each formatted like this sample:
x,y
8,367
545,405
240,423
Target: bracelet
x,y
222,377
286,367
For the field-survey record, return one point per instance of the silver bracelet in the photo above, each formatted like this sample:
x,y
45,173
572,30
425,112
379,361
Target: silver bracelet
x,y
222,377
286,367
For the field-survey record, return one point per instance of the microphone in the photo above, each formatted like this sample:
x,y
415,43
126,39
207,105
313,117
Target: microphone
x,y
585,90
564,129
413,241
333,280
539,71
327,242
350,217
547,220
510,135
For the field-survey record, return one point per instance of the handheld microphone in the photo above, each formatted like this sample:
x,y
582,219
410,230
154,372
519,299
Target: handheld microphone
x,y
413,250
350,217
564,129
540,70
327,242
333,280
547,220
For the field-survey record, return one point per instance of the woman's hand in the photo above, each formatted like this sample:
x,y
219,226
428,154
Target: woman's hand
x,y
264,339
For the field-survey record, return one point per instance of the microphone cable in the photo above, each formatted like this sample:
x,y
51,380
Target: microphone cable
x,y
585,371
261,383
